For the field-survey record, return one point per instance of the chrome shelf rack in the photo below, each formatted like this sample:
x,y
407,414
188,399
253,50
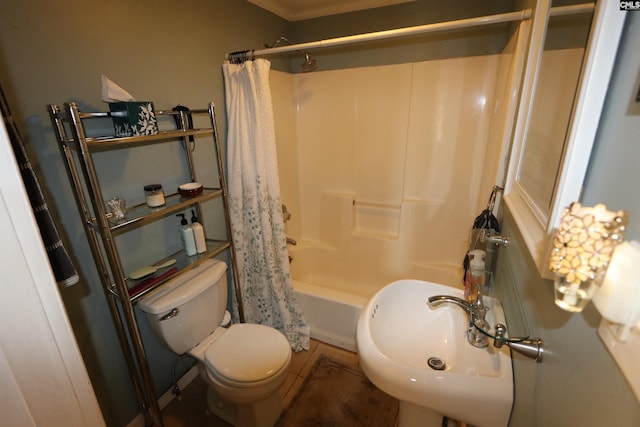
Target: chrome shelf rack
x,y
120,291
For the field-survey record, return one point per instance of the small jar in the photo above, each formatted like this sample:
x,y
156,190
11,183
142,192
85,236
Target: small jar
x,y
154,195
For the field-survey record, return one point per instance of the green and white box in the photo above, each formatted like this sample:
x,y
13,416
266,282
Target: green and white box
x,y
133,118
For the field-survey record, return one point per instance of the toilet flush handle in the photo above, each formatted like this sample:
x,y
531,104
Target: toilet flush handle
x,y
169,315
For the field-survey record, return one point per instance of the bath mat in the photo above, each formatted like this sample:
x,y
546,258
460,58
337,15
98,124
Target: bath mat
x,y
335,395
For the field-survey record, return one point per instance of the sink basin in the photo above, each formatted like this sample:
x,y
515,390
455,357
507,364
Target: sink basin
x,y
398,333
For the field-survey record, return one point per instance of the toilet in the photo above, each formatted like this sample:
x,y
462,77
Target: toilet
x,y
244,364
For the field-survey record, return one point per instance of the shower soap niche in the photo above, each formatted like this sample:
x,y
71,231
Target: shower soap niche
x,y
376,220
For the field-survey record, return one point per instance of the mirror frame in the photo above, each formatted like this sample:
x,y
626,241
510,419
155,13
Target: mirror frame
x,y
535,225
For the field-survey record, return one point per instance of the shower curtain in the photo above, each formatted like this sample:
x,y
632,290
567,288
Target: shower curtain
x,y
255,205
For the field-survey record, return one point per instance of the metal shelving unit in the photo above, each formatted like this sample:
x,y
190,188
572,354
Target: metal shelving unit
x,y
121,292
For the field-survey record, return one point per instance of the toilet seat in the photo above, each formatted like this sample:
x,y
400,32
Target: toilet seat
x,y
247,355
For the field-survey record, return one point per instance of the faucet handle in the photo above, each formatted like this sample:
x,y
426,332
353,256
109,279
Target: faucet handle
x,y
531,348
286,216
500,333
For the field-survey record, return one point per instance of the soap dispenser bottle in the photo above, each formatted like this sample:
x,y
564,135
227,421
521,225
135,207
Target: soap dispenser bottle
x,y
198,233
474,285
188,239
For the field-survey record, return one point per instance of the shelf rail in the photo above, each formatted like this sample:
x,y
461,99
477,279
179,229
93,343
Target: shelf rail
x,y
151,415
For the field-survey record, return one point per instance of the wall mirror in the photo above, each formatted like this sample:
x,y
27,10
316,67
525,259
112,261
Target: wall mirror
x,y
558,116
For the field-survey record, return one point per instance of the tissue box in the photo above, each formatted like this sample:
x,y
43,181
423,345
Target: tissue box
x,y
133,118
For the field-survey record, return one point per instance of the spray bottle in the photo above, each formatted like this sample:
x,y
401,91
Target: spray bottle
x,y
198,233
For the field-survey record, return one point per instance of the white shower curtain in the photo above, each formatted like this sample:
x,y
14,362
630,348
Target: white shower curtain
x,y
255,205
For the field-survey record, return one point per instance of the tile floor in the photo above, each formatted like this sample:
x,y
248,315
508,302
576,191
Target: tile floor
x,y
191,411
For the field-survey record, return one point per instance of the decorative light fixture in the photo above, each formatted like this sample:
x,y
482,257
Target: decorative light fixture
x,y
582,249
590,260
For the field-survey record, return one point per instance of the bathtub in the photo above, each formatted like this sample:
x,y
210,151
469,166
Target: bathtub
x,y
331,292
332,314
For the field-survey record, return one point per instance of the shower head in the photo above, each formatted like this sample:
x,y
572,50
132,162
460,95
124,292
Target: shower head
x,y
309,63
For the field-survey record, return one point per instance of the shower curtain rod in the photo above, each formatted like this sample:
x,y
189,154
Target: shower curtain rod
x,y
420,29
399,32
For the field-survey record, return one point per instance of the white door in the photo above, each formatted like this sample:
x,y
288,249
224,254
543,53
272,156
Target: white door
x,y
43,379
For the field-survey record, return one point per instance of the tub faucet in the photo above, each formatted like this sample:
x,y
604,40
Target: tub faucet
x,y
476,312
291,242
286,216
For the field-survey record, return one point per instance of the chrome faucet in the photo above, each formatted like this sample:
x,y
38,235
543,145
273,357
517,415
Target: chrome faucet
x,y
478,335
476,312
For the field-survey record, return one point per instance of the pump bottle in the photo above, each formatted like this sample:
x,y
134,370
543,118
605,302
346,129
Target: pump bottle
x,y
474,285
188,239
198,233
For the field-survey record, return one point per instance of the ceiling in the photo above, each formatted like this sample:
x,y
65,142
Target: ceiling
x,y
297,10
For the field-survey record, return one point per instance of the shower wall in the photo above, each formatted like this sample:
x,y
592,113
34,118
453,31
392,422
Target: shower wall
x,y
384,168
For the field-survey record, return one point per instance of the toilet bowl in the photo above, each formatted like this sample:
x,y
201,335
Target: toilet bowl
x,y
244,367
244,364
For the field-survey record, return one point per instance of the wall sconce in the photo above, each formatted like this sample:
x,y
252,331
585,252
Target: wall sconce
x,y
618,300
590,260
582,249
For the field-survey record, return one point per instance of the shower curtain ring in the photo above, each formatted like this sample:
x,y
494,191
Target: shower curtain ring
x,y
240,56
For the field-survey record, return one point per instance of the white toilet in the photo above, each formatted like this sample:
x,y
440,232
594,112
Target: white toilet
x,y
244,365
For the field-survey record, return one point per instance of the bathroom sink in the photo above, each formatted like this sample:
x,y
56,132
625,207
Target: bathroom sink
x,y
402,344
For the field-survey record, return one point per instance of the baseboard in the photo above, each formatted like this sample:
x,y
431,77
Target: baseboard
x,y
167,396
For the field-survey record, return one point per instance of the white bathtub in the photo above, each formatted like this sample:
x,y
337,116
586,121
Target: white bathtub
x,y
332,315
331,292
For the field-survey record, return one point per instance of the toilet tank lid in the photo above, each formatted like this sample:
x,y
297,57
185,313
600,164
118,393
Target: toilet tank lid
x,y
183,288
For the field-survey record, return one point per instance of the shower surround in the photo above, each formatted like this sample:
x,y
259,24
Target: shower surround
x,y
384,168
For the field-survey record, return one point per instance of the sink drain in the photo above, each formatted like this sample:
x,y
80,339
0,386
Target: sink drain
x,y
436,363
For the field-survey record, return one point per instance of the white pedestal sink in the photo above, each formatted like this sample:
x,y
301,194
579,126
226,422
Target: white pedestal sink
x,y
398,333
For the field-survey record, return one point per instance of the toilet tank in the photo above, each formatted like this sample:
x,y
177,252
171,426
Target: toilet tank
x,y
199,300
